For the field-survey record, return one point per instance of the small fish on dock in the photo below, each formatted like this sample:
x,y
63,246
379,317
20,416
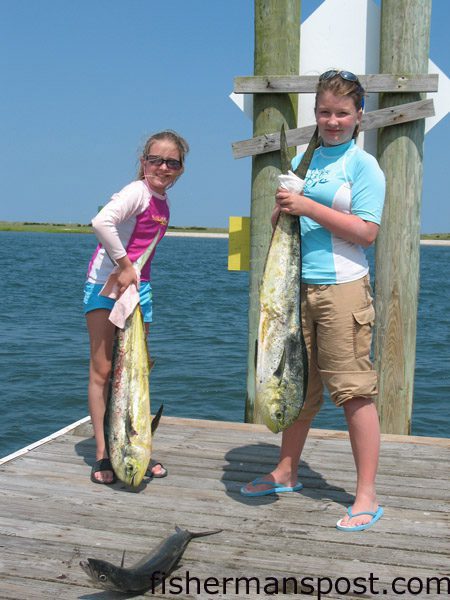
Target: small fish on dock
x,y
146,573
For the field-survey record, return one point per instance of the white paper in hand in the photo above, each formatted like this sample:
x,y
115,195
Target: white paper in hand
x,y
291,182
127,302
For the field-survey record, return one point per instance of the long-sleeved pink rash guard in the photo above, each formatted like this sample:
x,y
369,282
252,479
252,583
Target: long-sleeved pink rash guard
x,y
127,225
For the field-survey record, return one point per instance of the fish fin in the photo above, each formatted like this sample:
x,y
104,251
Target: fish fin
x,y
289,348
302,168
178,529
280,369
285,161
156,419
129,427
123,560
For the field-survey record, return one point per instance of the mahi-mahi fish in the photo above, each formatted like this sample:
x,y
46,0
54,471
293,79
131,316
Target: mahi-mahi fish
x,y
281,359
128,423
149,571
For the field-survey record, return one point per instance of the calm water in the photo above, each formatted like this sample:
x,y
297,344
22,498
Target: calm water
x,y
199,337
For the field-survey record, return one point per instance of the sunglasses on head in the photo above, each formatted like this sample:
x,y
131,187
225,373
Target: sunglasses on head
x,y
172,163
346,75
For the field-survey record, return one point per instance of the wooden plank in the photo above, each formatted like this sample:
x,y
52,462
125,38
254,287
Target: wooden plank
x,y
217,476
306,84
314,509
53,516
421,466
227,545
192,426
236,534
384,117
231,561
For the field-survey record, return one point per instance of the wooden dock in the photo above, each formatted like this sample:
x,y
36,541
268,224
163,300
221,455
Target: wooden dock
x,y
52,517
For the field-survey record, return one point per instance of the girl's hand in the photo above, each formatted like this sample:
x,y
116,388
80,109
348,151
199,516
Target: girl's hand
x,y
291,202
126,274
125,277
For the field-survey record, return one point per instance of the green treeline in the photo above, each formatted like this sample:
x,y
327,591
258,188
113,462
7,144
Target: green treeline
x,y
79,228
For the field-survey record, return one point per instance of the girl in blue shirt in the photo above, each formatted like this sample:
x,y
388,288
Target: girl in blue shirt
x,y
340,210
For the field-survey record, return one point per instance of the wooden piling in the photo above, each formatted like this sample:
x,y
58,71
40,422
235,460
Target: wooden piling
x,y
277,48
405,31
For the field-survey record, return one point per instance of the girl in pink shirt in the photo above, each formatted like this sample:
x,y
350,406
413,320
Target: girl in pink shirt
x,y
125,227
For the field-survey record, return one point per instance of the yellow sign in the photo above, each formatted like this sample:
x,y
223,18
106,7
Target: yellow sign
x,y
239,244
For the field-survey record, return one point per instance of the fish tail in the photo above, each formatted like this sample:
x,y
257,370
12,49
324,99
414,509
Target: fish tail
x,y
195,534
203,533
156,419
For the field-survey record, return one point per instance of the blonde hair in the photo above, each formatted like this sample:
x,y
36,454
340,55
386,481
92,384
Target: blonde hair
x,y
168,134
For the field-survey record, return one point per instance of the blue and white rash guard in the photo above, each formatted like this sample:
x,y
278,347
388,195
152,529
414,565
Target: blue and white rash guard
x,y
347,179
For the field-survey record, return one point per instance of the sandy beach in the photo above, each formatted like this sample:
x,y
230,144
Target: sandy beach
x,y
197,234
225,235
435,242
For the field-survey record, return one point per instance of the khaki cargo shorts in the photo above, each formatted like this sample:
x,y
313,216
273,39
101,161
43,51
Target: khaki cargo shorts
x,y
337,326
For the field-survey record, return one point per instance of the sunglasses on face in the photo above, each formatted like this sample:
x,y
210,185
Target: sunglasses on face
x,y
172,163
346,75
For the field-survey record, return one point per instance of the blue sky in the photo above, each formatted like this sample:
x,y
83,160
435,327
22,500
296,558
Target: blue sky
x,y
85,83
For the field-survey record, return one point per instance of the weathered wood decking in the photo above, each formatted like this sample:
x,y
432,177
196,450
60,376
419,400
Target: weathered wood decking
x,y
52,516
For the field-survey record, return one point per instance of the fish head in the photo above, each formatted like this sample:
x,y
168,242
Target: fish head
x,y
105,574
281,383
134,467
277,411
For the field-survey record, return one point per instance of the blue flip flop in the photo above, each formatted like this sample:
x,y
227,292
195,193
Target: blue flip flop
x,y
375,517
275,488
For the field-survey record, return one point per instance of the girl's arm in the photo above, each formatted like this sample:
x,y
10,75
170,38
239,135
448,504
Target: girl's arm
x,y
124,205
105,228
346,226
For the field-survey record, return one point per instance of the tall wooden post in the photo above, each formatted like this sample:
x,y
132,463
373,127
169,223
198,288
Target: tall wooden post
x,y
405,31
277,48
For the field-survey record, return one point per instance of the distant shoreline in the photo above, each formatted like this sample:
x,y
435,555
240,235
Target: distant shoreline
x,y
426,242
434,242
80,228
438,239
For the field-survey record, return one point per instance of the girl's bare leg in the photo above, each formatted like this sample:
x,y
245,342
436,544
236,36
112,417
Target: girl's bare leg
x,y
364,431
292,443
101,336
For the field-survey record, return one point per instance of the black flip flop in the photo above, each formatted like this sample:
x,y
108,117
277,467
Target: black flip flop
x,y
104,464
152,475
